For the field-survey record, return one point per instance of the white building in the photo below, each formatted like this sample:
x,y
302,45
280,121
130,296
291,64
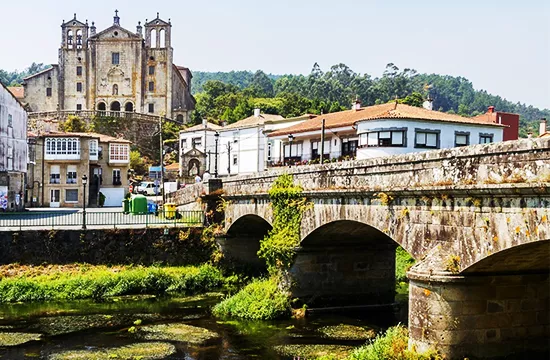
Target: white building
x,y
242,147
381,130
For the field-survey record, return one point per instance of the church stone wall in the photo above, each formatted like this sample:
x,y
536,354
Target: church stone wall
x,y
35,90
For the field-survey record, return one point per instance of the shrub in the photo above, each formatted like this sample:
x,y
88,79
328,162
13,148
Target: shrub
x,y
259,300
393,345
403,262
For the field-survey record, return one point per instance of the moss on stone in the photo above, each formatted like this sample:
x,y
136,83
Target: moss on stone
x,y
17,338
178,332
347,332
144,351
314,351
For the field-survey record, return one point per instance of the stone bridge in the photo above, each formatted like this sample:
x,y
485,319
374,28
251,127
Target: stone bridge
x,y
474,218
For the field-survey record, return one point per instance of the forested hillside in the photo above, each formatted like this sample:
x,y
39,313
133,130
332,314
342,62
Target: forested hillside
x,y
232,95
15,78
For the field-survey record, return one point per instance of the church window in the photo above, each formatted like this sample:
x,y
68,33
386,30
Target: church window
x,y
70,39
115,89
151,108
179,118
79,71
153,38
151,70
79,87
115,57
78,107
162,38
151,86
49,92
79,39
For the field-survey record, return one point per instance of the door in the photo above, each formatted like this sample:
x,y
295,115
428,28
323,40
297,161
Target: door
x,y
54,198
95,184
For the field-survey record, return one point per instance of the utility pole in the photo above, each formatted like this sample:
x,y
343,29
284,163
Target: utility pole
x,y
216,138
322,142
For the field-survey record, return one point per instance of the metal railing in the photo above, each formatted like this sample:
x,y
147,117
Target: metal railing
x,y
59,220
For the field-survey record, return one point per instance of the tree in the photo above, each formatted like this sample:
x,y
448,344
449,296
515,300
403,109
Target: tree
x,y
137,163
73,124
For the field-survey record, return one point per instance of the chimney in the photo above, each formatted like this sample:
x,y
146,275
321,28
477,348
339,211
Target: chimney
x,y
204,122
428,104
356,104
491,109
542,128
529,135
256,112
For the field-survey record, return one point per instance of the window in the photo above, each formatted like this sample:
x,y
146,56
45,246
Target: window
x,y
426,139
55,176
485,138
115,58
151,70
269,149
71,195
151,86
78,107
79,87
49,92
116,177
296,150
197,141
235,160
119,153
71,174
462,138
384,138
64,148
316,148
79,71
183,144
151,108
349,147
93,149
10,120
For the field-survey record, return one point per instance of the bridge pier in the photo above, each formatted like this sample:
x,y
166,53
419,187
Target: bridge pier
x,y
344,275
478,315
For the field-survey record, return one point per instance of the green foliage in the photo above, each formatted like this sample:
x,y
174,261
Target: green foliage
x,y
335,89
393,345
138,163
278,247
15,78
403,262
259,300
73,124
102,283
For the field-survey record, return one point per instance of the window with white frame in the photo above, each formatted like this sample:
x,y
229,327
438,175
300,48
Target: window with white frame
x,y
462,138
71,195
269,150
116,177
296,150
235,160
62,148
119,153
55,174
93,149
10,157
71,174
426,139
197,141
183,144
316,148
384,138
485,138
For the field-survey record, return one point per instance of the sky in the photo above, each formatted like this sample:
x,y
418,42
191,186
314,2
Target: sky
x,y
501,46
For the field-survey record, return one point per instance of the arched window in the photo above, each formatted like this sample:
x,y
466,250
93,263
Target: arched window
x,y
129,107
70,39
79,39
115,108
162,36
179,118
101,106
153,38
115,89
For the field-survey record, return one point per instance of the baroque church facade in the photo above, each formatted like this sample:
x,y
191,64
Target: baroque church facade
x,y
114,70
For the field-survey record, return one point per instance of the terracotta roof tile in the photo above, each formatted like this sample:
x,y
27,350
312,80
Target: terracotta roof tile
x,y
17,91
209,126
377,112
253,121
172,167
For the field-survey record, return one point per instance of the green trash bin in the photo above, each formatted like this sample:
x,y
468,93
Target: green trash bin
x,y
139,205
126,206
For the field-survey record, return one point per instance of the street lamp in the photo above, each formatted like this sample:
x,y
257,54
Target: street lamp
x,y
84,182
216,138
290,138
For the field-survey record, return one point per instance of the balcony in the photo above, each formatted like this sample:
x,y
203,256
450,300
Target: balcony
x,y
61,157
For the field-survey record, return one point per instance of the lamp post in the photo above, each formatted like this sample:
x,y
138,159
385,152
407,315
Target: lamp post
x,y
290,138
84,182
216,138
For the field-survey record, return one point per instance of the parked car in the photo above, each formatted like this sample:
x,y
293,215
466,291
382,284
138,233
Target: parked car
x,y
147,188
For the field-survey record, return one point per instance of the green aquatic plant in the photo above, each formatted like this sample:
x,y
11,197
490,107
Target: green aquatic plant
x,y
145,351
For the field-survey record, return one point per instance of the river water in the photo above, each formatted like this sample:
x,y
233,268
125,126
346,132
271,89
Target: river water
x,y
89,325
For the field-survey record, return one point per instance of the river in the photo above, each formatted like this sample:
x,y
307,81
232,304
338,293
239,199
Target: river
x,y
88,325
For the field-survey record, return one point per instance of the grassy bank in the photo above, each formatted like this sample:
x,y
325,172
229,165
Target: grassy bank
x,y
393,345
25,284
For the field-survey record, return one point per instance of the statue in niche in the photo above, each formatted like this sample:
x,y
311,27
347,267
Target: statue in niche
x,y
194,170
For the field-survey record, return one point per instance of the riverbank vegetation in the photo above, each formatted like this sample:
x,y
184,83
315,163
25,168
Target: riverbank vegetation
x,y
84,281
